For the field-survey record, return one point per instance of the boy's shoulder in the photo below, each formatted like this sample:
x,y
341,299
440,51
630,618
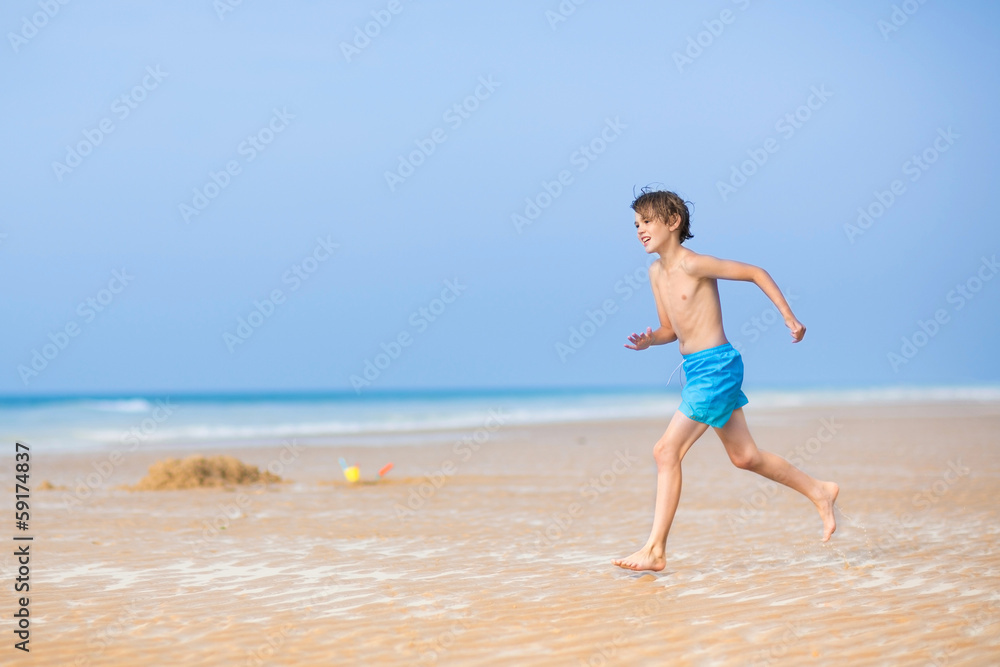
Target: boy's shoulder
x,y
688,259
695,264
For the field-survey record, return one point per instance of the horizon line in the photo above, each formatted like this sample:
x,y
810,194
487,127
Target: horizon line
x,y
413,392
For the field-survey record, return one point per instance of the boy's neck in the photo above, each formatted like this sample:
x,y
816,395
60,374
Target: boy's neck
x,y
671,250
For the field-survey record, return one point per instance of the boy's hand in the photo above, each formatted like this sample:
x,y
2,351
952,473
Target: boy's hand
x,y
797,328
641,341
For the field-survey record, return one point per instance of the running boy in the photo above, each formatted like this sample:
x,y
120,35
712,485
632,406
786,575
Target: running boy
x,y
687,301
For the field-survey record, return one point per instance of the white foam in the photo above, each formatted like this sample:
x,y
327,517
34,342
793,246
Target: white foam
x,y
131,405
881,395
90,423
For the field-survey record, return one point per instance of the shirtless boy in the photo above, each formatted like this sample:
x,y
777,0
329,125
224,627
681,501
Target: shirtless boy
x,y
687,301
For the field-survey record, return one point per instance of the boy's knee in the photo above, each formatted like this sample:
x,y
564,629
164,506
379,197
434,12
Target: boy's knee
x,y
745,460
665,455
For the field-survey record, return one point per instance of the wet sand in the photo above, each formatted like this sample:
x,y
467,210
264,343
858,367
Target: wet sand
x,y
499,553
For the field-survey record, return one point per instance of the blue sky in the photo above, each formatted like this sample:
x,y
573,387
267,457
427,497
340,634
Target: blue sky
x,y
612,98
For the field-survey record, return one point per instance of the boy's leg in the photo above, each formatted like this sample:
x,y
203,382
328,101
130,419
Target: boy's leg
x,y
743,452
681,433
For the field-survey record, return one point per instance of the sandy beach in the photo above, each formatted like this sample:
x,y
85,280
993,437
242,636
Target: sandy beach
x,y
494,547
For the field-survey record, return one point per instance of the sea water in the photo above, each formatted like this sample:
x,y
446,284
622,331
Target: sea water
x,y
165,421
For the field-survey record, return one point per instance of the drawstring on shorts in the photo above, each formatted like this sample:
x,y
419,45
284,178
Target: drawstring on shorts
x,y
674,371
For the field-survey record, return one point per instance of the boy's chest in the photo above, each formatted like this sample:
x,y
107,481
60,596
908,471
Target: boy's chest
x,y
677,289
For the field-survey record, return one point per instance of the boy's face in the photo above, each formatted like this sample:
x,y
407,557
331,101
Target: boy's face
x,y
653,233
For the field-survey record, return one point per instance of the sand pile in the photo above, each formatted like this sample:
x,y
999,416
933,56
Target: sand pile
x,y
197,472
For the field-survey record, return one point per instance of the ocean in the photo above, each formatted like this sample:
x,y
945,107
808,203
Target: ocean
x,y
77,422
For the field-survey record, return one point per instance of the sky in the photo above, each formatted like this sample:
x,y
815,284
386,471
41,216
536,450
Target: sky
x,y
209,196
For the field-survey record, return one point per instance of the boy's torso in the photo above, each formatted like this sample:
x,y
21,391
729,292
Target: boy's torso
x,y
690,304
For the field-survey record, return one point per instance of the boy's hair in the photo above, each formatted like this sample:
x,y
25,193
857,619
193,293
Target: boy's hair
x,y
664,205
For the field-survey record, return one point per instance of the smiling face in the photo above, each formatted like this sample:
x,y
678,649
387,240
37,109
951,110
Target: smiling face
x,y
665,208
653,234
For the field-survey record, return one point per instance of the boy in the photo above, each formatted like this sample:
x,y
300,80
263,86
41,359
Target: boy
x,y
687,302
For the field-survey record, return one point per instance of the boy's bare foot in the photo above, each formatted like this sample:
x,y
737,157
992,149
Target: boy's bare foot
x,y
824,504
643,559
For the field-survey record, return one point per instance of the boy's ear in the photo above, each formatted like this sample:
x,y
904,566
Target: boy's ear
x,y
674,223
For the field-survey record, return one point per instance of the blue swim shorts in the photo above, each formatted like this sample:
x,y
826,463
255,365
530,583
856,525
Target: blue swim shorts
x,y
713,387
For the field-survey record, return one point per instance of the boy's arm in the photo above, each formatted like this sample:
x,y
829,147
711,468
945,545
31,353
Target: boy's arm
x,y
706,266
665,333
